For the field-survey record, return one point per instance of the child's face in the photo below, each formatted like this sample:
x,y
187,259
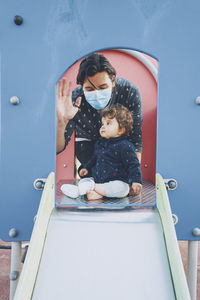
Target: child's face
x,y
110,128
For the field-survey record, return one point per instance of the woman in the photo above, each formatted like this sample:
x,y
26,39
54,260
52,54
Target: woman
x,y
79,109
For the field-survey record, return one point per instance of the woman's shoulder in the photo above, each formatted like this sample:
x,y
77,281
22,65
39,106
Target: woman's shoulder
x,y
125,89
124,83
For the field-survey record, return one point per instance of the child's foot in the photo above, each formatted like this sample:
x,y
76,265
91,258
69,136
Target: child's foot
x,y
70,190
85,185
92,195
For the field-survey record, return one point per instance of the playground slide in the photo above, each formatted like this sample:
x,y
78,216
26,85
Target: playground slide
x,y
103,254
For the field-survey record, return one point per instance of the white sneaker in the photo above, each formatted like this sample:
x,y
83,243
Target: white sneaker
x,y
70,190
85,185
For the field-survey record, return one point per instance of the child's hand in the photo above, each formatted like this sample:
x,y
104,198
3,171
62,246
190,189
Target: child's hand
x,y
83,172
137,187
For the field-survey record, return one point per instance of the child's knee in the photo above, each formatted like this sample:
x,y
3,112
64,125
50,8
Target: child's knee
x,y
116,189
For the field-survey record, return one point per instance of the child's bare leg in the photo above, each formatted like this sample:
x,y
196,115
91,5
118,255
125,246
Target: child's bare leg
x,y
92,195
97,193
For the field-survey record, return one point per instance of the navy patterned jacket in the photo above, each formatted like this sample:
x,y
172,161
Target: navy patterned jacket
x,y
114,159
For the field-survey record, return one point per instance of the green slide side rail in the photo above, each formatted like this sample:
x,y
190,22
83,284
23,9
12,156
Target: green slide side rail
x,y
28,276
174,256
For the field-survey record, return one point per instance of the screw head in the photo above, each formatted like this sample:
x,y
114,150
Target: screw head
x,y
13,232
18,20
175,219
172,184
39,185
198,100
196,231
14,100
14,275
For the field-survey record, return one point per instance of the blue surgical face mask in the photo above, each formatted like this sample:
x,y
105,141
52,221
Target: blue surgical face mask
x,y
98,98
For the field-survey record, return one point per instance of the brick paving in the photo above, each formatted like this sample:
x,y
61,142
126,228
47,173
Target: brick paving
x,y
4,272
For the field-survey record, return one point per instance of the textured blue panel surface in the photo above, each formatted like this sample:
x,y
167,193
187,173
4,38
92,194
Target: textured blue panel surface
x,y
53,36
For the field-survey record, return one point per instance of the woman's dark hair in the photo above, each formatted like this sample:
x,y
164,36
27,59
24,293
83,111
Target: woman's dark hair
x,y
93,64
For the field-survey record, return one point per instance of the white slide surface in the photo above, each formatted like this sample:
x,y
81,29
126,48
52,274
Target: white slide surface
x,y
104,255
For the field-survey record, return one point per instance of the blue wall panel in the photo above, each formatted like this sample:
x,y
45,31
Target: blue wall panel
x,y
53,36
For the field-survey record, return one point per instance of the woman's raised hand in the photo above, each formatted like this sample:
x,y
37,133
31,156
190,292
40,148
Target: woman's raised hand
x,y
65,108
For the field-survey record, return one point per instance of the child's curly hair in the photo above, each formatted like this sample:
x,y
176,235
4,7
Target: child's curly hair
x,y
122,114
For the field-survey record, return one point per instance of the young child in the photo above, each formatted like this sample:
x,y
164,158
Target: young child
x,y
114,165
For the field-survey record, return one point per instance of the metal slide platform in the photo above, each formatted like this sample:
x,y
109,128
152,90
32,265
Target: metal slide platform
x,y
93,254
145,199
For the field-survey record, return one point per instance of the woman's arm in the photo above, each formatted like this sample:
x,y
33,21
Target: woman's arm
x,y
135,106
139,156
60,146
